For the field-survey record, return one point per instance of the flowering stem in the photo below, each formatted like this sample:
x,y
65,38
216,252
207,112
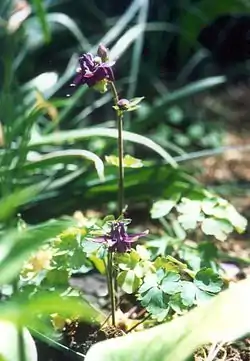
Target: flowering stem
x,y
120,151
111,286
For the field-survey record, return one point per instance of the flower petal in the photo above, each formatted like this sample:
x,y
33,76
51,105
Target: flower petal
x,y
87,61
133,237
101,239
100,73
79,79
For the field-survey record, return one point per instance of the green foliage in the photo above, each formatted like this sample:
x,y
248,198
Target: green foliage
x,y
166,290
162,208
25,311
42,17
128,161
51,156
176,340
16,246
133,266
216,216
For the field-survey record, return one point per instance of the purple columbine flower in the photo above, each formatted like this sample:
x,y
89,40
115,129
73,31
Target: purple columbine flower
x,y
117,239
93,72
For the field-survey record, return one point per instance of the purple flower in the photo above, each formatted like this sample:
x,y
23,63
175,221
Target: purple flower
x,y
93,71
117,239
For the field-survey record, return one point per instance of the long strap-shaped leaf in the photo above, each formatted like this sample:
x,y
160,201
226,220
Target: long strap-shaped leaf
x,y
80,134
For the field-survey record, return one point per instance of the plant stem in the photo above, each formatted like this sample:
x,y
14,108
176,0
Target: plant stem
x,y
121,169
119,115
139,323
111,286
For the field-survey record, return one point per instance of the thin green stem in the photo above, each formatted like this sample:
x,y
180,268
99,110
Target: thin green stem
x,y
139,323
111,286
119,115
121,168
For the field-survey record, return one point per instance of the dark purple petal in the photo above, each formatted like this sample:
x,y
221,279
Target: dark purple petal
x,y
87,61
92,71
101,239
120,247
88,74
133,237
79,79
100,74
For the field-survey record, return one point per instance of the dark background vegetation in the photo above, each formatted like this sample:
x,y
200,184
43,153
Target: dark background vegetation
x,y
192,97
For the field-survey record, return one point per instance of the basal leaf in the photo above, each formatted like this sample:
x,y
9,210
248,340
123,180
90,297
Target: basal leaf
x,y
128,281
56,279
154,296
190,213
176,303
188,293
219,228
162,208
207,280
170,283
149,282
215,321
238,221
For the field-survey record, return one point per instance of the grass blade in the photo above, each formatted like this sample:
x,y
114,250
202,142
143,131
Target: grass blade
x,y
77,135
42,16
65,155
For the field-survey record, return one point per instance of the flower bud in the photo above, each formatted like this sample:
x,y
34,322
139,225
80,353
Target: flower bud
x,y
123,104
102,51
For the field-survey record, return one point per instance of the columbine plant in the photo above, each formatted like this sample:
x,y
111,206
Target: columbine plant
x,y
96,72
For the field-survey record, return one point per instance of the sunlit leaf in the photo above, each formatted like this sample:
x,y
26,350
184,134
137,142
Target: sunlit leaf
x,y
162,208
128,281
218,228
190,213
23,311
128,161
16,246
9,343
